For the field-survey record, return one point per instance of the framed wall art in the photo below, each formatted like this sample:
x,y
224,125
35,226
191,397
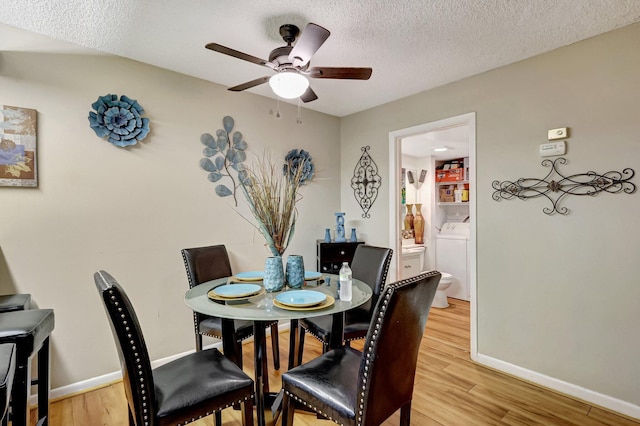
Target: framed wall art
x,y
18,156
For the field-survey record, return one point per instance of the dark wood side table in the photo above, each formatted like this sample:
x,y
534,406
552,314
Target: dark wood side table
x,y
329,256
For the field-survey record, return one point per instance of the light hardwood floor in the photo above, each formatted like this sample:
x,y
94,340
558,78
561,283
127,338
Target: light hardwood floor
x,y
450,390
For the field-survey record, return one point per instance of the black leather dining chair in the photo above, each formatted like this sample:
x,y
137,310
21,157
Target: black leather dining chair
x,y
365,388
7,371
370,264
209,263
179,392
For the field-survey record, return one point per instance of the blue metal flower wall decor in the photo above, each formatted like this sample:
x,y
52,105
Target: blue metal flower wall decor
x,y
299,158
119,121
224,154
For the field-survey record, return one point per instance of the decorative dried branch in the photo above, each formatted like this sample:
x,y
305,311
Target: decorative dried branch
x,y
272,192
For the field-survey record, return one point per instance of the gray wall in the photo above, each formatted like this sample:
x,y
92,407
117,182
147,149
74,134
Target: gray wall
x,y
130,211
557,295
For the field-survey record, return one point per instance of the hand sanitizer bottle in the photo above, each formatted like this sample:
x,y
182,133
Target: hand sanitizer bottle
x,y
346,282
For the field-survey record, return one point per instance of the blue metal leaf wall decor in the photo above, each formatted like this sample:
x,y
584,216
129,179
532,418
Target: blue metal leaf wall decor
x,y
224,156
120,121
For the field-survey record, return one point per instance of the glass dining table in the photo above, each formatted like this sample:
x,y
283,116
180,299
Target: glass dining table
x,y
265,307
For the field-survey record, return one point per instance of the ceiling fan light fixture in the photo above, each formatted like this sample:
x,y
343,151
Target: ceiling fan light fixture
x,y
289,84
442,148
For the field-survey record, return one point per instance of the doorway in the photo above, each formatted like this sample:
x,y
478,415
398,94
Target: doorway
x,y
428,134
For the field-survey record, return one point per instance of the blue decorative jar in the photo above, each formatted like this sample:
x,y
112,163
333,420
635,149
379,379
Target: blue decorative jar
x,y
340,228
295,271
273,274
353,238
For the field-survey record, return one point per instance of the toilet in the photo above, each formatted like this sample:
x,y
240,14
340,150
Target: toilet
x,y
440,299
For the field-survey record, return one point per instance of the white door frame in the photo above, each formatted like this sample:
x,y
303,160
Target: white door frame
x,y
395,167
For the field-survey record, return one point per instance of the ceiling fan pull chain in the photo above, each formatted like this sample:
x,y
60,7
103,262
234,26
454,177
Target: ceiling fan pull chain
x,y
299,117
278,108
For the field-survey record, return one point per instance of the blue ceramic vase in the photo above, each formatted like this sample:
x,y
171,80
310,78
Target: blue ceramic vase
x,y
273,274
295,271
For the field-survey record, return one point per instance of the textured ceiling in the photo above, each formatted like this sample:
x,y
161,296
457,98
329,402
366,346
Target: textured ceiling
x,y
412,45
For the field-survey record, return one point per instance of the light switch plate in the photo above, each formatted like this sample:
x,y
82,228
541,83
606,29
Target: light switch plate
x,y
552,149
559,133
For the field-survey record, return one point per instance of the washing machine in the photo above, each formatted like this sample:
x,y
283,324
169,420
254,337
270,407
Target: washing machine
x,y
452,256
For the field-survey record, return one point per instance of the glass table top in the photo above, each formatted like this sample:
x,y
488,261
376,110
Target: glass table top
x,y
261,306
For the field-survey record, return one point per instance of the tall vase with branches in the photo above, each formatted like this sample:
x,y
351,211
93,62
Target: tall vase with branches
x,y
272,191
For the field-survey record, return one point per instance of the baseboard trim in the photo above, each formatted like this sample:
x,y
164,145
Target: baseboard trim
x,y
590,396
107,379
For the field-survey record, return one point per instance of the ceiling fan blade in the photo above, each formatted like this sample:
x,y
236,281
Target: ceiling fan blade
x,y
309,95
308,44
235,53
340,73
249,84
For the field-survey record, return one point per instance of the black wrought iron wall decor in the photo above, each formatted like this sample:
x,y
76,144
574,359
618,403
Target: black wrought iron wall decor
x,y
589,183
365,182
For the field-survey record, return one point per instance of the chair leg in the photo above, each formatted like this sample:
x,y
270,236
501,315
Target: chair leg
x,y
275,346
247,412
300,344
238,360
265,365
218,418
405,414
288,408
20,393
43,382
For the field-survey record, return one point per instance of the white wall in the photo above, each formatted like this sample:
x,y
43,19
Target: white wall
x,y
557,295
130,211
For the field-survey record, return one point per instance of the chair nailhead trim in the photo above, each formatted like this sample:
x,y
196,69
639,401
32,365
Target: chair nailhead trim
x,y
208,413
369,351
138,365
317,410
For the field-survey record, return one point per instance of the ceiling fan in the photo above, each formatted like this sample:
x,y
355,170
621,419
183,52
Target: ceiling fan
x,y
291,63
